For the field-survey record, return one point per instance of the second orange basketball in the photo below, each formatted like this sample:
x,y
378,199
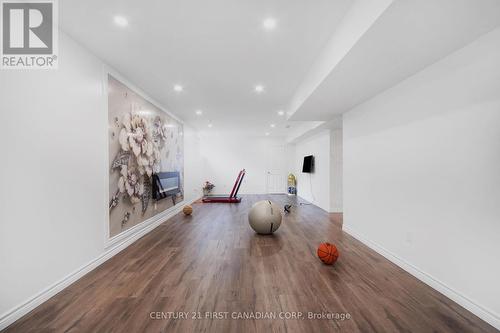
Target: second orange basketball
x,y
327,253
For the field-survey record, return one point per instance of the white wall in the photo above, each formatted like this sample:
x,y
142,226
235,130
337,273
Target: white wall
x,y
225,154
336,164
53,191
422,175
314,187
192,163
53,174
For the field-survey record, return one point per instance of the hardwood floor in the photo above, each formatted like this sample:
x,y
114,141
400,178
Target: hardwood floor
x,y
213,262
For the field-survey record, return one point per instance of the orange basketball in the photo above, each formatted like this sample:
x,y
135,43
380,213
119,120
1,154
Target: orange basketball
x,y
328,253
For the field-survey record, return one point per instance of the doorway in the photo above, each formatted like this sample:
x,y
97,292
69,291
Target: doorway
x,y
276,180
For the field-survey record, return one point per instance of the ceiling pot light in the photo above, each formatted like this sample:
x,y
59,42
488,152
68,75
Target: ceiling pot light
x,y
269,23
120,21
259,88
272,125
281,113
199,112
178,88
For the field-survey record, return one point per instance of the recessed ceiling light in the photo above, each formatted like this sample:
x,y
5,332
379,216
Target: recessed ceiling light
x,y
267,133
269,23
210,125
259,88
272,125
199,112
120,21
178,88
281,113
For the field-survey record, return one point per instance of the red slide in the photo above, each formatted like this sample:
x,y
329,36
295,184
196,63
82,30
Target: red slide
x,y
231,198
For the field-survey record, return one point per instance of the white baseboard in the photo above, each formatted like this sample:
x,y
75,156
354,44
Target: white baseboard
x,y
113,247
485,314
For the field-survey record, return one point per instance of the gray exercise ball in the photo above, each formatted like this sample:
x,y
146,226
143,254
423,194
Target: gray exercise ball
x,y
264,217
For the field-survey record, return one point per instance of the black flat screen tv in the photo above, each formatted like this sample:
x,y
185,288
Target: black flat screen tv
x,y
308,166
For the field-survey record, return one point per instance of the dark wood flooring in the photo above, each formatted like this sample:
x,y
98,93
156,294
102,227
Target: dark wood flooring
x,y
213,262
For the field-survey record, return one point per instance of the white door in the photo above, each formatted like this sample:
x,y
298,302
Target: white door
x,y
276,179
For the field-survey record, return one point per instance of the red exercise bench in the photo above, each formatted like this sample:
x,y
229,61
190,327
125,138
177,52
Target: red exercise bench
x,y
231,198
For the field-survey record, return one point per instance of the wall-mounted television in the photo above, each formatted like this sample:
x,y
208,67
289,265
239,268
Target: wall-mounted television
x,y
166,184
308,166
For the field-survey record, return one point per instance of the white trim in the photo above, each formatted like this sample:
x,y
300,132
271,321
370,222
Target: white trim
x,y
117,245
148,224
104,98
484,313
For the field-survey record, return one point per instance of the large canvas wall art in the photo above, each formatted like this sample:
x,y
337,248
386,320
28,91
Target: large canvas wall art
x,y
146,158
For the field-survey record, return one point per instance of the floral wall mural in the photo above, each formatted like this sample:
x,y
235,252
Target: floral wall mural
x,y
144,142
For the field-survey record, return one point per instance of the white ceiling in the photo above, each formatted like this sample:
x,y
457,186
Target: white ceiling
x,y
407,37
216,49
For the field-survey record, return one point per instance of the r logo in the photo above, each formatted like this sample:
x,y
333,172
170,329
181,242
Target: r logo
x,y
27,27
29,34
